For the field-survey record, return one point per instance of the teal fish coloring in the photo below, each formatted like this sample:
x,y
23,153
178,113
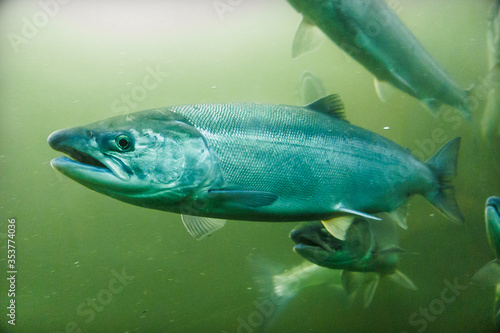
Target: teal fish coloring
x,y
370,250
372,33
253,162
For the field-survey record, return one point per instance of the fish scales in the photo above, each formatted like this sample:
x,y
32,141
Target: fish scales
x,y
298,154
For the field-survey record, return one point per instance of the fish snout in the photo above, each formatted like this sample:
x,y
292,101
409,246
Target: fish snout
x,y
493,202
63,139
56,139
294,235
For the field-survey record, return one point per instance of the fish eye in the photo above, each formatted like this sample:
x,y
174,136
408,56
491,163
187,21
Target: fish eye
x,y
123,142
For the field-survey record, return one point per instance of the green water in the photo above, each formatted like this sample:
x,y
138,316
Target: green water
x,y
72,242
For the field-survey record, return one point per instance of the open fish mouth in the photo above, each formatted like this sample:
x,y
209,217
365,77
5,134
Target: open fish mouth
x,y
79,157
84,158
64,162
83,165
317,241
310,244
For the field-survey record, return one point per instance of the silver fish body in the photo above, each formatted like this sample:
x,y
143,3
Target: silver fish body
x,y
313,162
252,162
372,33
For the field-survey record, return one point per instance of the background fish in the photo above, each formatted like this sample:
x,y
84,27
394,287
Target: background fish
x,y
368,248
490,122
253,162
489,275
372,33
311,88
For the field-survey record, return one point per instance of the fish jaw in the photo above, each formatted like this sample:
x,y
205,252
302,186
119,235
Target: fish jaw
x,y
492,218
153,158
315,244
90,167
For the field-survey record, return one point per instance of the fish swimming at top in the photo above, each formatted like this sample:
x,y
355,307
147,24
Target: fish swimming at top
x,y
254,162
372,33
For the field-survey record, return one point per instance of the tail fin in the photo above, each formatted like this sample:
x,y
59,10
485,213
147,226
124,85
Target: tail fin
x,y
444,166
274,291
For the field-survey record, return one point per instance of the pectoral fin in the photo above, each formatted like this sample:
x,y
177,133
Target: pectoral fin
x,y
307,39
252,199
488,275
200,227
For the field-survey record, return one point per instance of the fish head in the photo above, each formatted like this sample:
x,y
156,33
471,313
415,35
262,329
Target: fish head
x,y
492,218
143,158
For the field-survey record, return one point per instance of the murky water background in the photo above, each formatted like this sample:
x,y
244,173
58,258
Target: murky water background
x,y
144,272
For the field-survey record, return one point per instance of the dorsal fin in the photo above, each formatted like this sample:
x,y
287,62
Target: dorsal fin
x,y
331,105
